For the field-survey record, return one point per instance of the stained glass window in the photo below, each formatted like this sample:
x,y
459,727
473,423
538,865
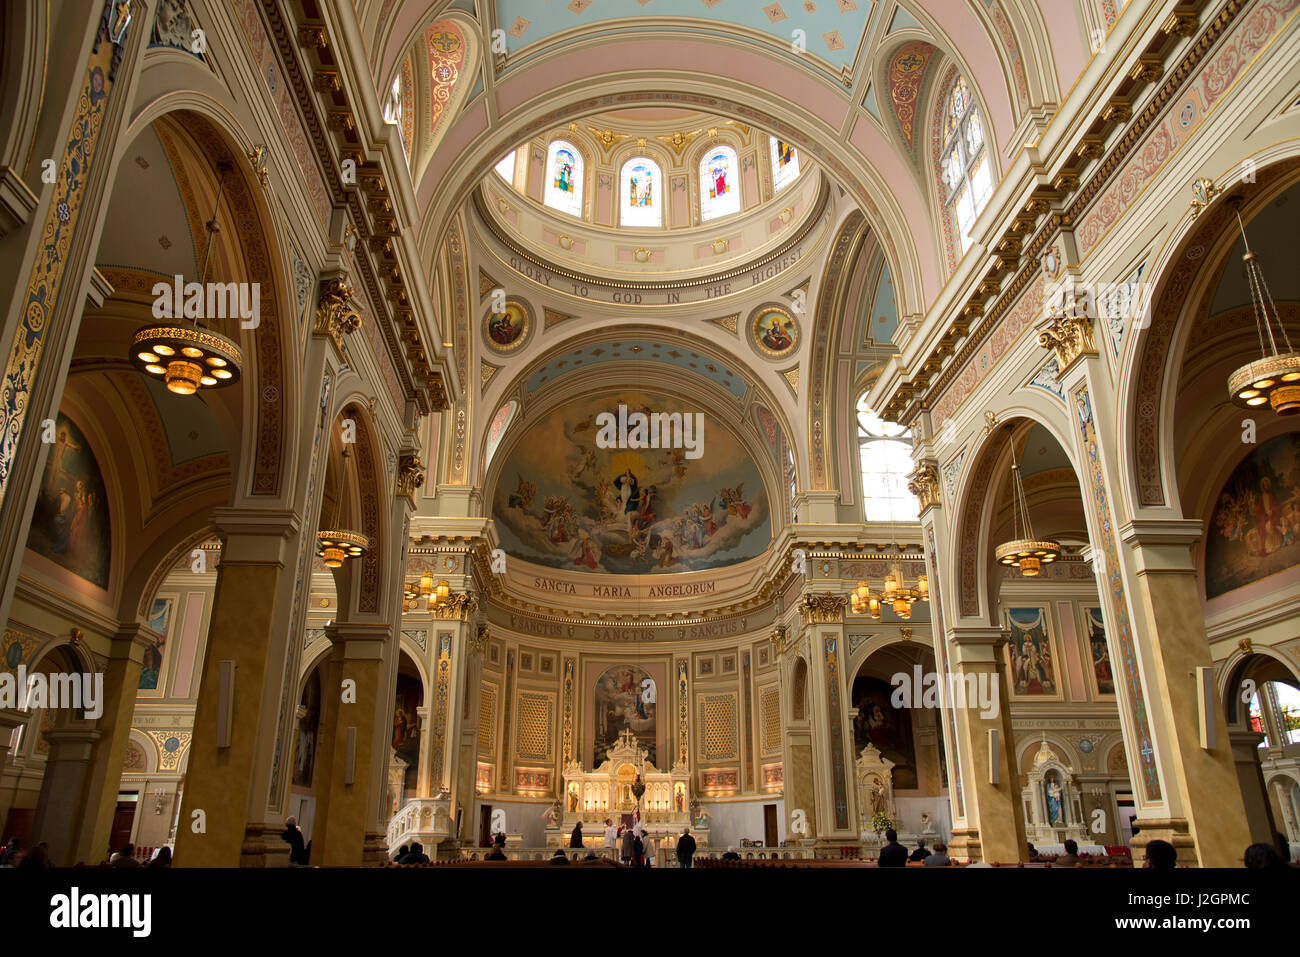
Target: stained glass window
x,y
641,202
719,191
563,178
967,178
885,451
506,168
785,164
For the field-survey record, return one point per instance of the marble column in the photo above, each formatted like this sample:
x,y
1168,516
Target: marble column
x,y
351,684
994,828
228,781
60,819
1213,823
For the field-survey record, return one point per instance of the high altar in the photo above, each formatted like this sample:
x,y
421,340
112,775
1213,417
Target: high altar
x,y
609,792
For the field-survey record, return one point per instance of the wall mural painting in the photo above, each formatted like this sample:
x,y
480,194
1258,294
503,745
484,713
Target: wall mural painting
x,y
564,498
70,526
1104,678
1032,664
160,615
1254,530
625,698
890,729
406,728
304,759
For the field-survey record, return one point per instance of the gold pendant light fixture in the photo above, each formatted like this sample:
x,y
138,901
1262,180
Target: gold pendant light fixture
x,y
435,595
335,545
185,355
1025,551
894,592
1275,378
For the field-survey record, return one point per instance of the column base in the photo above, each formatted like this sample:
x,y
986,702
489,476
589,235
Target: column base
x,y
374,851
1174,830
965,845
263,847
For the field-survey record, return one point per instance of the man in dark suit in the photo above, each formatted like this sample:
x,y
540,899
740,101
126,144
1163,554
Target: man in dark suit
x,y
685,848
892,854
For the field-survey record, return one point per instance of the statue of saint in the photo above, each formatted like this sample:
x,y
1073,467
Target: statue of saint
x,y
879,801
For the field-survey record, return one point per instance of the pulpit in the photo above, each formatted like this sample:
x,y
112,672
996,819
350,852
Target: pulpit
x,y
610,792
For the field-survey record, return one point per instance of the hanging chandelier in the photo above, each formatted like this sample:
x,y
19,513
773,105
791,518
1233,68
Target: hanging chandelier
x,y
1025,552
894,592
1274,378
334,545
185,355
435,595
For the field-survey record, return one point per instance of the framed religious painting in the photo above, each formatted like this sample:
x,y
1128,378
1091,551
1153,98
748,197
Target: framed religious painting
x,y
1032,656
1096,653
508,330
774,332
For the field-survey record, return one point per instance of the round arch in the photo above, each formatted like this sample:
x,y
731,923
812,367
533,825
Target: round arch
x,y
1184,275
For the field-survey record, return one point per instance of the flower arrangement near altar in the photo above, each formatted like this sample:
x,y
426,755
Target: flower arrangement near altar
x,y
881,821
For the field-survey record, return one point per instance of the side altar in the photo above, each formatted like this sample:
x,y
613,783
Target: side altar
x,y
625,788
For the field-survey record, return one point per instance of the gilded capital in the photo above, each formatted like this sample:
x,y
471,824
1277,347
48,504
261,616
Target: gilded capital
x,y
824,609
924,484
459,606
410,475
1069,335
479,640
335,317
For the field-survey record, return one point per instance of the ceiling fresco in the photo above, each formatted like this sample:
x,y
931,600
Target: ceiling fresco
x,y
833,29
567,497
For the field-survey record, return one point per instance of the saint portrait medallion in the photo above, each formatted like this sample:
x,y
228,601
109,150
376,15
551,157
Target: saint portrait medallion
x,y
507,330
774,332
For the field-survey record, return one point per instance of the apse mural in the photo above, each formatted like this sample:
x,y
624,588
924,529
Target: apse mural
x,y
878,722
566,499
1103,678
70,526
1032,663
1255,529
625,698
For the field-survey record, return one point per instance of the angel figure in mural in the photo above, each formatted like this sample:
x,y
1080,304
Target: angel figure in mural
x,y
522,496
1054,815
585,550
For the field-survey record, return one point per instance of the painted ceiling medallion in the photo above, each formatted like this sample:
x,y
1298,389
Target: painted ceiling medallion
x,y
509,329
774,332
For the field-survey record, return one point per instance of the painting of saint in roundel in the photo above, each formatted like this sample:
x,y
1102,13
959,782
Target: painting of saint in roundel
x,y
775,332
507,330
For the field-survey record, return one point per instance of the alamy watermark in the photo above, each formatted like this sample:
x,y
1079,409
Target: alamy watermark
x,y
208,300
652,430
920,689
25,691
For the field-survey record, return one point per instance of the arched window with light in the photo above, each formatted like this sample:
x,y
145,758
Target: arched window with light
x,y
641,193
563,178
506,168
885,451
785,164
719,191
964,170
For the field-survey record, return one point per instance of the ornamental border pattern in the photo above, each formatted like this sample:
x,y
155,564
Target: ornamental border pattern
x,y
1114,579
